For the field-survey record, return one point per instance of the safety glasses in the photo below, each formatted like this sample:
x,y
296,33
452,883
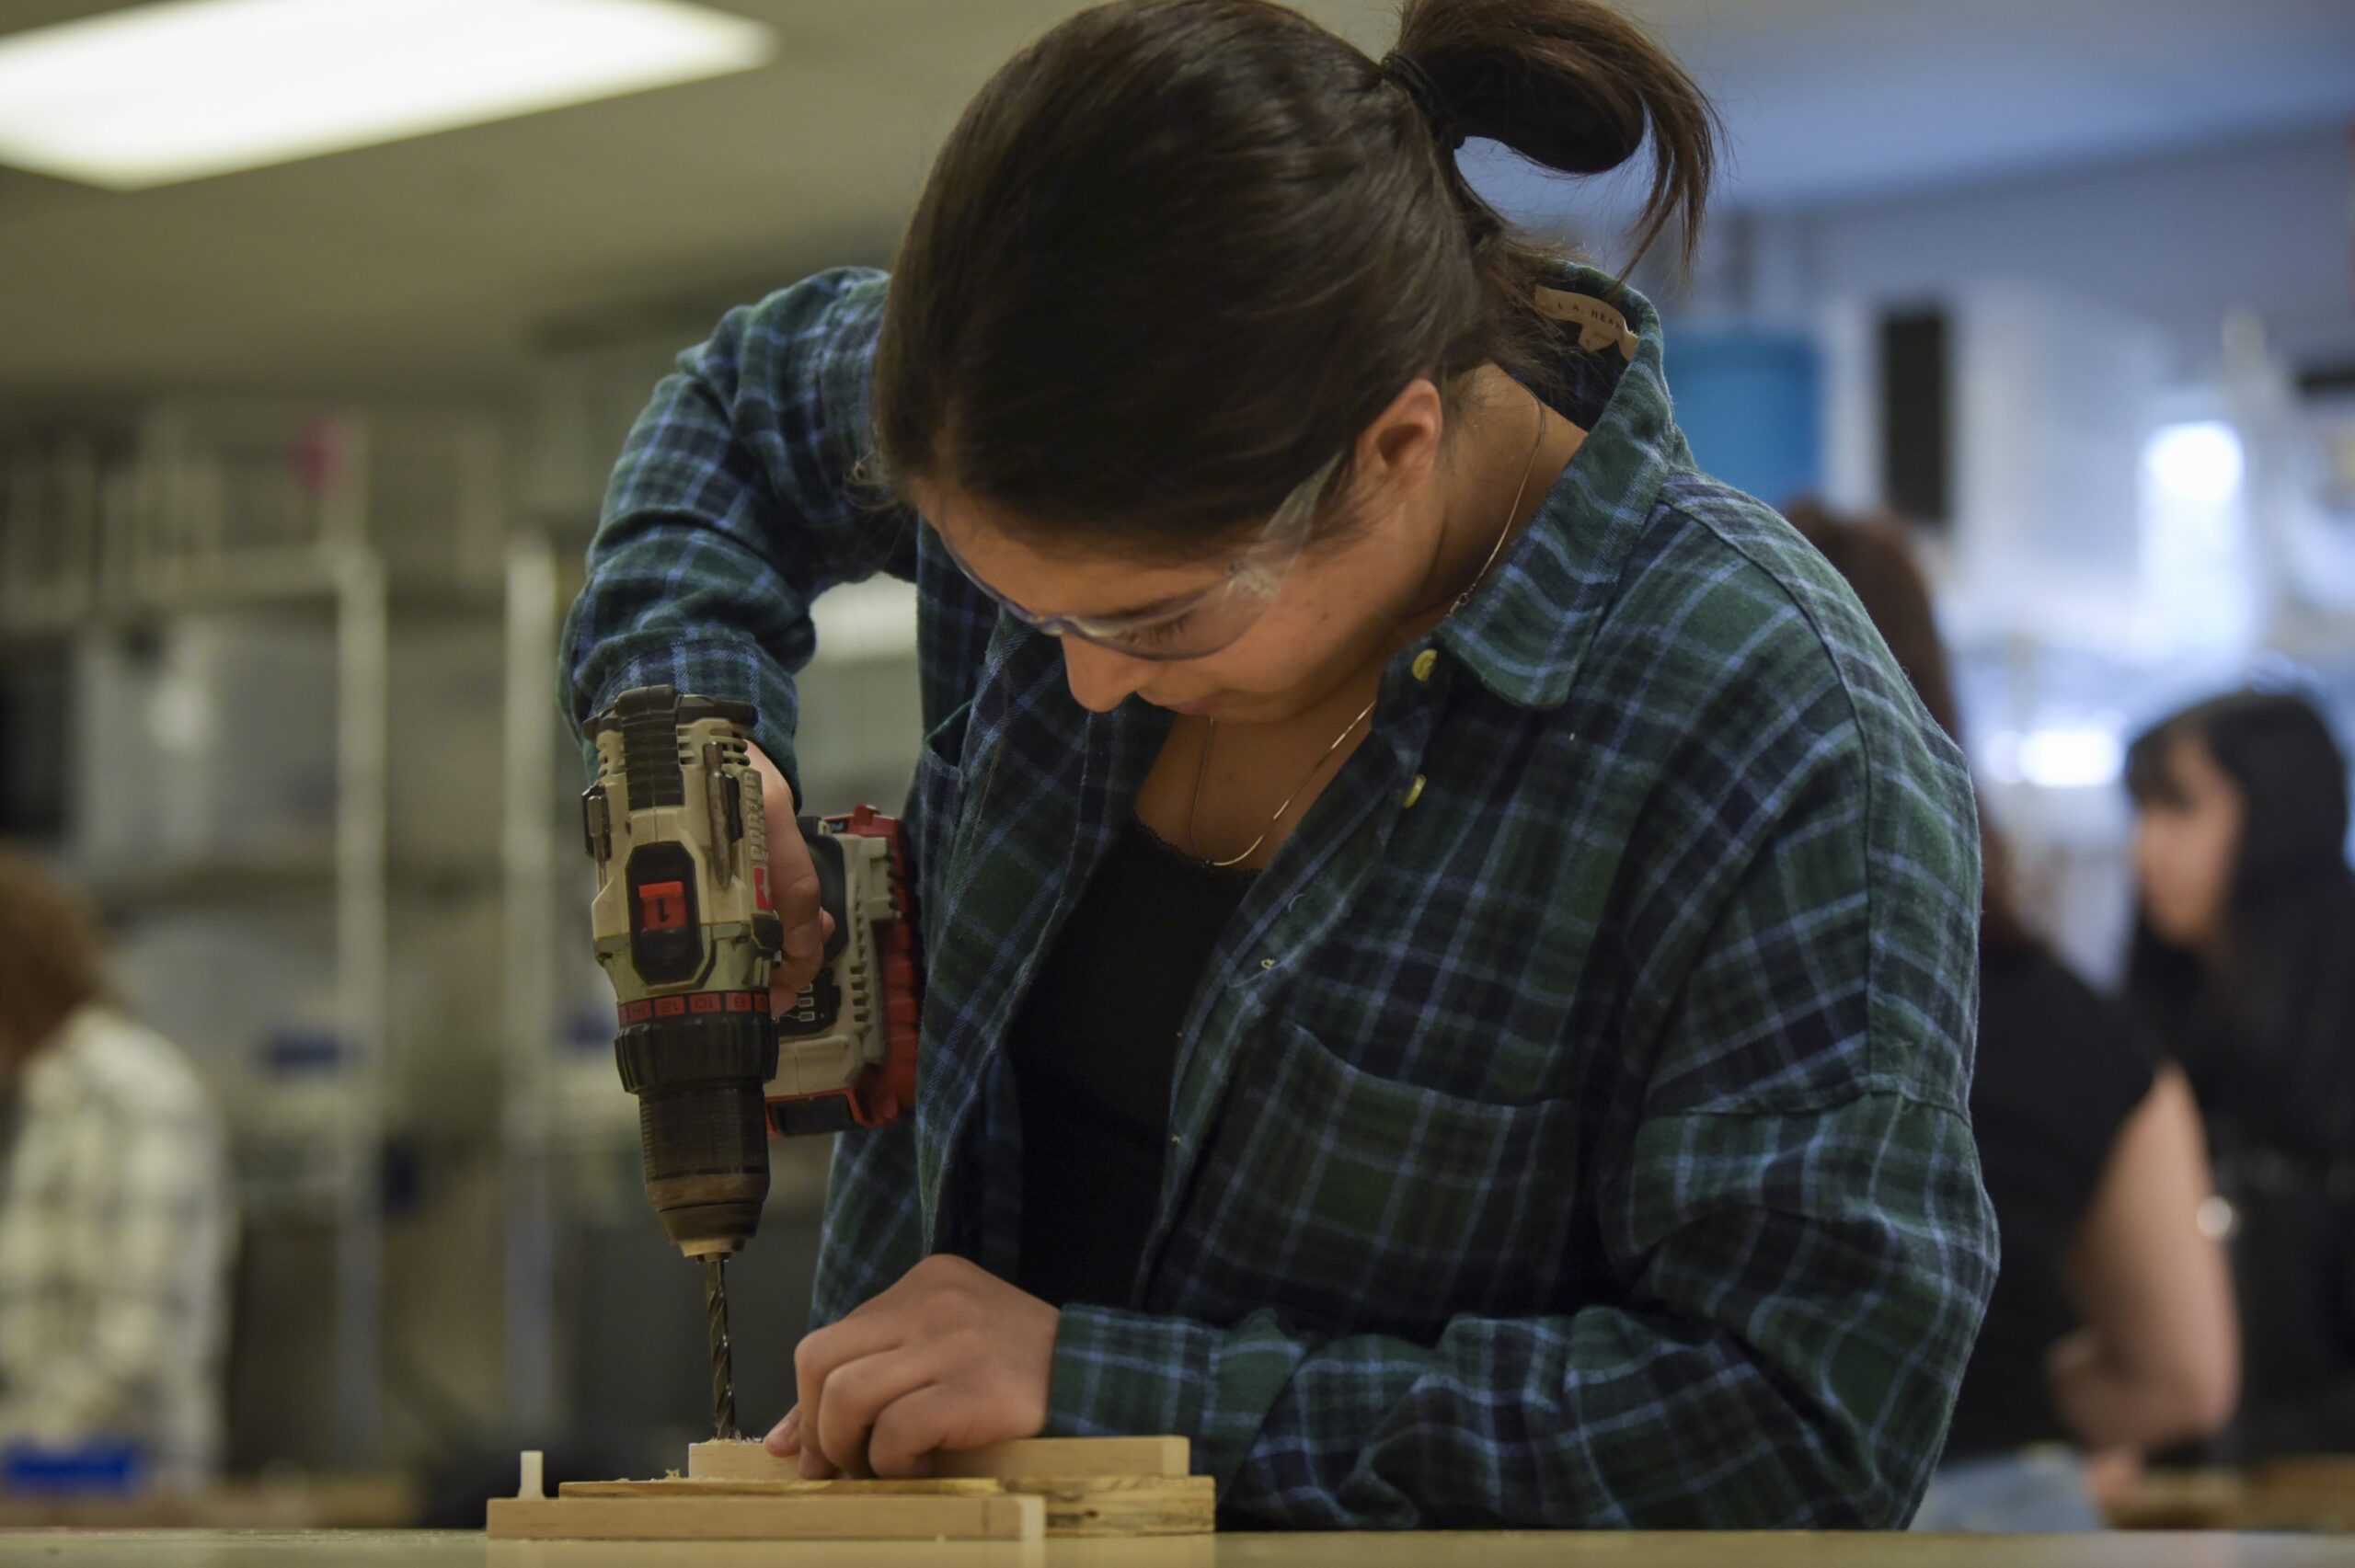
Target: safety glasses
x,y
1197,625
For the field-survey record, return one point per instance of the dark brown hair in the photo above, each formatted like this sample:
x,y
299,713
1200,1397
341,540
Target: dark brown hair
x,y
1177,254
1876,554
2268,1036
49,953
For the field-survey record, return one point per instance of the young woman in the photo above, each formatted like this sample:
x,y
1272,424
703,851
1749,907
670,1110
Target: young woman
x,y
2243,963
2111,1329
1449,946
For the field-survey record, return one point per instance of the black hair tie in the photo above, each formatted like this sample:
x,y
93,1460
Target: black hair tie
x,y
1405,70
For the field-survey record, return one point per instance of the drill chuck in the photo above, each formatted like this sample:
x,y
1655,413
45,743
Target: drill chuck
x,y
701,1122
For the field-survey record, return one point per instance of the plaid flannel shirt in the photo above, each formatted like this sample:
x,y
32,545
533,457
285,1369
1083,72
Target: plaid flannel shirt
x,y
117,1223
1570,1126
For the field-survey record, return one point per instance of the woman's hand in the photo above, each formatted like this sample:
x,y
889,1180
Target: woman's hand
x,y
793,888
2112,1478
950,1357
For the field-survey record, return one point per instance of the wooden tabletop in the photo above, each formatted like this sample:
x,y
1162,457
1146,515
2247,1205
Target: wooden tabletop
x,y
383,1549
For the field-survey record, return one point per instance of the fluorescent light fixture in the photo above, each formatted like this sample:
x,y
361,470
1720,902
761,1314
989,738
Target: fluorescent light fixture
x,y
2062,756
187,88
2199,462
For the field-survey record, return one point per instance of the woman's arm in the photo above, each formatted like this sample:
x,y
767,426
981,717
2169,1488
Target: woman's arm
x,y
732,507
1809,1287
2158,1360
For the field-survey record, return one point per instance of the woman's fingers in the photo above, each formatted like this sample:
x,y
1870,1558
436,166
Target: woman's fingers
x,y
792,886
862,1334
785,1438
910,1431
859,1391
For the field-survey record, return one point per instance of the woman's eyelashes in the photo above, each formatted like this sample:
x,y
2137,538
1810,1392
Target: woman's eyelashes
x,y
1161,634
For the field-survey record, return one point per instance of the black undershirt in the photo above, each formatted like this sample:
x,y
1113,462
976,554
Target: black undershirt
x,y
2059,1074
1093,1048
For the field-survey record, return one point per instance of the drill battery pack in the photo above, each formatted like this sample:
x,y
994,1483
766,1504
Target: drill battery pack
x,y
846,1049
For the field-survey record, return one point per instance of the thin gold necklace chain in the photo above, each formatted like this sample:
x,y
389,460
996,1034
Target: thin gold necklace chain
x,y
1209,736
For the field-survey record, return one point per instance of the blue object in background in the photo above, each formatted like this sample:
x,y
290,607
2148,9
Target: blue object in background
x,y
293,1048
1750,401
101,1468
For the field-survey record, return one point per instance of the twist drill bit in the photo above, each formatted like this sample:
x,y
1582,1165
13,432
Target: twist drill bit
x,y
723,1371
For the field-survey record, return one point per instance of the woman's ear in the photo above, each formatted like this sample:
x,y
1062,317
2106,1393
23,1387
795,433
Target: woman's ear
x,y
1400,448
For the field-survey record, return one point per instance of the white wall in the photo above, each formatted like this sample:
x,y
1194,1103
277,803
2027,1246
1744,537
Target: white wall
x,y
2087,305
2180,239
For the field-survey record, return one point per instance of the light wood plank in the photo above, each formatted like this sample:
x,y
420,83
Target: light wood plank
x,y
1076,1506
1364,1548
569,1516
1074,1457
1048,1457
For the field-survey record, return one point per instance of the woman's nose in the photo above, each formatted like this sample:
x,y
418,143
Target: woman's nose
x,y
1101,680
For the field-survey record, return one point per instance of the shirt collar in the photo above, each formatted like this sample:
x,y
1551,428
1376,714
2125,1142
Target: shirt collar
x,y
1525,631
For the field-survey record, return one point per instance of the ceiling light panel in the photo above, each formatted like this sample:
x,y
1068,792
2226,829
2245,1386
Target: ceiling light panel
x,y
179,90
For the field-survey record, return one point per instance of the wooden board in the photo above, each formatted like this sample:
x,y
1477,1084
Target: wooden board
x,y
1075,1506
735,1491
1040,1457
2312,1495
776,1516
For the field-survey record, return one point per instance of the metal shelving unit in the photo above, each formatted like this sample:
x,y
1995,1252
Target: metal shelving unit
x,y
261,513
530,1008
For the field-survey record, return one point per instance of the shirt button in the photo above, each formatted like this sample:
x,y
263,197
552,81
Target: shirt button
x,y
1425,662
1414,792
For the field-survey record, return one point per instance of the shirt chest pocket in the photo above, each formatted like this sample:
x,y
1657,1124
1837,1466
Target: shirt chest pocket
x,y
1381,1205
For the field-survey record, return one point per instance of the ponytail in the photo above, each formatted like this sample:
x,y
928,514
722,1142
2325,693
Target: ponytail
x,y
1573,85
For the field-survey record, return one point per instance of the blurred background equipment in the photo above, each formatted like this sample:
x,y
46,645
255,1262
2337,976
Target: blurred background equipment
x,y
302,436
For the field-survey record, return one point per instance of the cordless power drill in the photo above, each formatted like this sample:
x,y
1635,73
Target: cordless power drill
x,y
685,928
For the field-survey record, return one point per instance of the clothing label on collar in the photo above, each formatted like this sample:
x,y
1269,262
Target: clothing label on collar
x,y
1600,326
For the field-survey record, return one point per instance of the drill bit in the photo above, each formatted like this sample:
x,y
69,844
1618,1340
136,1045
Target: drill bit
x,y
723,1371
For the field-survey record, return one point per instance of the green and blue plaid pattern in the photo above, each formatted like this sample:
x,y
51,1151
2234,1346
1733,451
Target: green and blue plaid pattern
x,y
1582,1144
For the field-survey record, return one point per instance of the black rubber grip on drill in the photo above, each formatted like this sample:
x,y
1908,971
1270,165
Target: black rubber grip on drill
x,y
744,715
700,1051
834,883
648,718
811,1115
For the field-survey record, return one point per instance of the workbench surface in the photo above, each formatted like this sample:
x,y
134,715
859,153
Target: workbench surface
x,y
383,1549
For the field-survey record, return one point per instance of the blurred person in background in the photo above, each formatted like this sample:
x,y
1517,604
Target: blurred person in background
x,y
2243,962
2111,1330
117,1213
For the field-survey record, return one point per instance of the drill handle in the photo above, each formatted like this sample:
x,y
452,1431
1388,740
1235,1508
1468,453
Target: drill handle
x,y
834,883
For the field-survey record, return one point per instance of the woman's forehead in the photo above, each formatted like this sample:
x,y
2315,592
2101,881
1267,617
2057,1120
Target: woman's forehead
x,y
2194,763
1063,580
2179,770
